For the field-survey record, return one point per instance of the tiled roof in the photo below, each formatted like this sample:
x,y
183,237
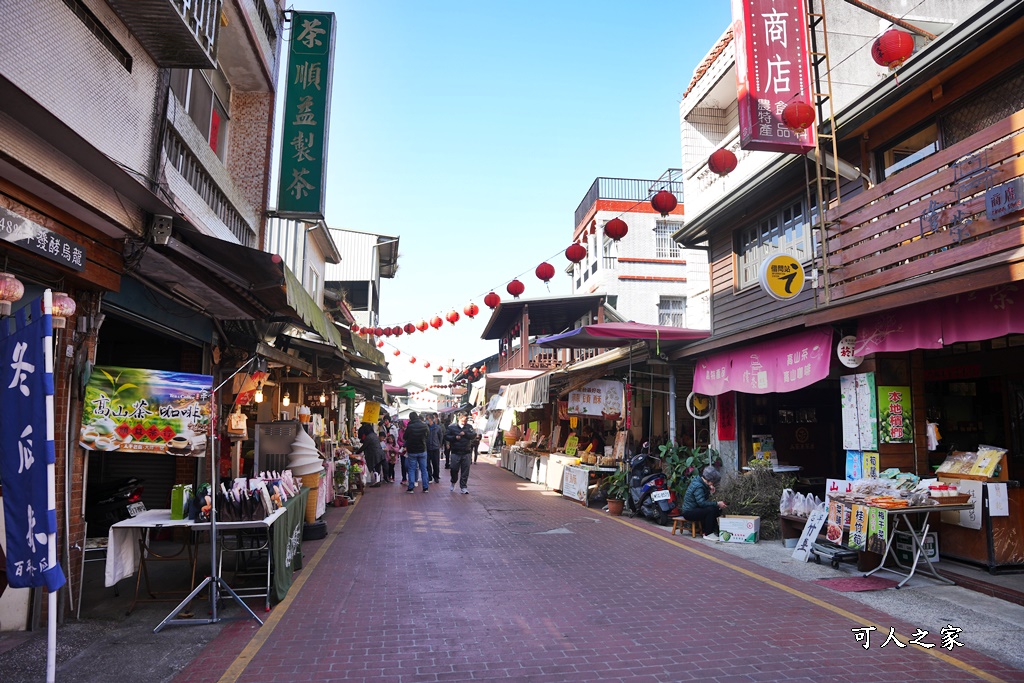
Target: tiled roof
x,y
709,60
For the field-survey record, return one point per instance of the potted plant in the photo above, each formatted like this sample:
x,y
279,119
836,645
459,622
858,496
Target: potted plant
x,y
617,486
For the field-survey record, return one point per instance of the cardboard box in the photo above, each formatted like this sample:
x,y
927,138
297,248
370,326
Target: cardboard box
x,y
905,547
738,529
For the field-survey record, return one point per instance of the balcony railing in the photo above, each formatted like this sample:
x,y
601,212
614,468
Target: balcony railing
x,y
929,219
190,168
625,189
176,33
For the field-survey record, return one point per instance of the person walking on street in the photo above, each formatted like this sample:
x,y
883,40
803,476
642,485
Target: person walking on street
x,y
415,437
446,445
461,436
434,441
372,451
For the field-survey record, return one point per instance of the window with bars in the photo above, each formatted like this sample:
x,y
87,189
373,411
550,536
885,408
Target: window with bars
x,y
664,245
672,311
204,95
785,231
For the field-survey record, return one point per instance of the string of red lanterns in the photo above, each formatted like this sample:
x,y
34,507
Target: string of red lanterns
x,y
663,202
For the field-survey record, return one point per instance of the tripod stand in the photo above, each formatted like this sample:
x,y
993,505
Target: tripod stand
x,y
214,580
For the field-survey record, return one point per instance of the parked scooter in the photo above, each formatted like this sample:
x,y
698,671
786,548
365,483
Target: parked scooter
x,y
113,502
649,493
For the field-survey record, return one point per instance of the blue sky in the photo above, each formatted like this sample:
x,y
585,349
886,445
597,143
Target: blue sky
x,y
473,129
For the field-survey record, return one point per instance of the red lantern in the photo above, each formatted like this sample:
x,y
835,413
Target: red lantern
x,y
892,48
422,326
452,317
576,252
722,161
412,359
663,202
492,300
515,288
798,116
397,352
409,328
436,322
616,228
545,271
471,309
378,331
386,331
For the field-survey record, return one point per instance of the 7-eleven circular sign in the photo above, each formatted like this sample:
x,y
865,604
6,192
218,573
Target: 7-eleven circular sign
x,y
782,277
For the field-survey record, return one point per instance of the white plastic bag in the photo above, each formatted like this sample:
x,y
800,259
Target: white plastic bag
x,y
786,502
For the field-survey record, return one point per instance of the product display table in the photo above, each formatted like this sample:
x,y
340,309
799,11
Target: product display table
x,y
914,521
128,546
578,481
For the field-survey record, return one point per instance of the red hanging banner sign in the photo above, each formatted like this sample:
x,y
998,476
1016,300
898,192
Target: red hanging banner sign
x,y
771,72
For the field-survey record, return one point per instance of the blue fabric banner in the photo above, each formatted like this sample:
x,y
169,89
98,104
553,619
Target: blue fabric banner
x,y
26,448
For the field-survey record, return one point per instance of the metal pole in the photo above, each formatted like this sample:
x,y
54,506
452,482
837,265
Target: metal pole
x,y
51,500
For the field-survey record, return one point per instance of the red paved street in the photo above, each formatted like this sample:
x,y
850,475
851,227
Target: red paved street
x,y
516,584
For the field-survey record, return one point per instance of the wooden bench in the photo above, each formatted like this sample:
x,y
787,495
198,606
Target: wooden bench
x,y
681,524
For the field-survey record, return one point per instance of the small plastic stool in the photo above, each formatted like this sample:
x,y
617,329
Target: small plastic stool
x,y
681,524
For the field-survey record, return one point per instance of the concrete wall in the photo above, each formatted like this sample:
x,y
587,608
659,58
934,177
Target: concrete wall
x,y
637,258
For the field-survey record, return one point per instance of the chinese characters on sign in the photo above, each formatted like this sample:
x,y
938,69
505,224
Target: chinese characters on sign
x,y
37,239
948,637
146,411
26,453
776,365
307,104
600,398
895,423
771,72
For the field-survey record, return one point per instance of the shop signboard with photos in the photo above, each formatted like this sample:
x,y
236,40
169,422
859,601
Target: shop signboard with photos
x,y
135,410
600,398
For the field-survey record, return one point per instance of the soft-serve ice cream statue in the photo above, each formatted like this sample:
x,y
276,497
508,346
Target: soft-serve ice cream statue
x,y
304,458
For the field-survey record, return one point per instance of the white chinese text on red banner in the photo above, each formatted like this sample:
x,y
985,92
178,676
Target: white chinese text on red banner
x,y
771,72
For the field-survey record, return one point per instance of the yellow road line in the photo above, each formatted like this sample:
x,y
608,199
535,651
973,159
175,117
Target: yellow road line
x,y
234,671
861,621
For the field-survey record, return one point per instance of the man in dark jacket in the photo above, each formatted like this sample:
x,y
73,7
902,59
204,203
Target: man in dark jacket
x,y
697,505
434,442
461,436
416,435
371,449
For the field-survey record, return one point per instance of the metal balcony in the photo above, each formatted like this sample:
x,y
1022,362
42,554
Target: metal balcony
x,y
176,33
629,189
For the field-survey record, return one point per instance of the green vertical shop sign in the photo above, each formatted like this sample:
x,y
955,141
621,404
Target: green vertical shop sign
x,y
307,100
895,421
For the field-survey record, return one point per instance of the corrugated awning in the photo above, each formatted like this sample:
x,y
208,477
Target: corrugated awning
x,y
529,394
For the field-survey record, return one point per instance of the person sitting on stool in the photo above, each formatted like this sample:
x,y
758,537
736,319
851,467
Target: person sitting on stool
x,y
696,504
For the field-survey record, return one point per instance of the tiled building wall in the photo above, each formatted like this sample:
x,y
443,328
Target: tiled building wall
x,y
249,140
50,54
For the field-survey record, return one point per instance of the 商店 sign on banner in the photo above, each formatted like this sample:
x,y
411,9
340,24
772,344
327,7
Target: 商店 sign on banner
x,y
771,72
307,101
146,411
600,398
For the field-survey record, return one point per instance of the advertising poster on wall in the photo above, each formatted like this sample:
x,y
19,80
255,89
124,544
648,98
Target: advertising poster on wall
x,y
137,410
600,398
895,421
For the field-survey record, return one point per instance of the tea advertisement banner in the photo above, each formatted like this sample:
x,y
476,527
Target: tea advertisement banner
x,y
146,411
600,398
